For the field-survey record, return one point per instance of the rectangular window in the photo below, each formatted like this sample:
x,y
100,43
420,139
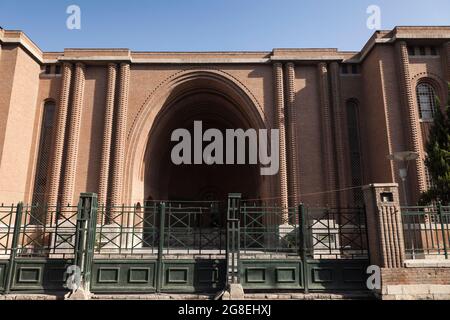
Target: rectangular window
x,y
423,52
344,69
433,51
411,51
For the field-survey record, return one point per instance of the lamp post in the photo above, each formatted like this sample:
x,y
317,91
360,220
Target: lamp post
x,y
404,157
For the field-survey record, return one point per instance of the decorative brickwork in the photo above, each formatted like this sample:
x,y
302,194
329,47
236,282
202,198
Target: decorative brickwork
x,y
411,112
120,135
60,130
292,134
327,145
73,139
384,225
107,134
279,105
447,54
338,133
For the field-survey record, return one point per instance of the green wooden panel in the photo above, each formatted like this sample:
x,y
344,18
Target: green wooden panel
x,y
334,275
271,274
3,269
123,276
108,275
193,275
39,274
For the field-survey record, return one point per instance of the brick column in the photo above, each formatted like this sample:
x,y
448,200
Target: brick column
x,y
60,132
120,136
329,173
338,133
412,115
384,225
292,136
107,134
280,115
73,136
447,54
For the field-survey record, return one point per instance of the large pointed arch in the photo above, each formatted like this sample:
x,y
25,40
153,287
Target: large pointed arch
x,y
158,104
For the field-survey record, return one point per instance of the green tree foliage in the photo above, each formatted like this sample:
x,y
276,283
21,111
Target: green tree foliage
x,y
438,157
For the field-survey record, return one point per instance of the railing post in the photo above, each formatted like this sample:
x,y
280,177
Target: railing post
x,y
384,225
84,244
14,246
441,219
162,215
304,243
234,287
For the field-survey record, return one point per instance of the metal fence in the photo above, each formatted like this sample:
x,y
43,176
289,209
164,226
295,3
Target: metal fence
x,y
127,230
37,231
269,229
194,228
7,219
426,232
175,227
178,245
335,233
197,228
315,233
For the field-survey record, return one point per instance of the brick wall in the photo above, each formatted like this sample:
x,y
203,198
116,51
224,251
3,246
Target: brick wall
x,y
416,276
428,283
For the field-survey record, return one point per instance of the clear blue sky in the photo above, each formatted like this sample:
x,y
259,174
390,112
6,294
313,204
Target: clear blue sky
x,y
191,25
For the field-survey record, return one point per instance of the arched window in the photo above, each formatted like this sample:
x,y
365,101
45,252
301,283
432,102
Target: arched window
x,y
355,150
43,160
426,100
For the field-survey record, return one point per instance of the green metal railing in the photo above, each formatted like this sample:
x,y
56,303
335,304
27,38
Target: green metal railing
x,y
263,229
185,227
335,233
40,231
7,218
194,227
232,233
127,229
315,233
426,231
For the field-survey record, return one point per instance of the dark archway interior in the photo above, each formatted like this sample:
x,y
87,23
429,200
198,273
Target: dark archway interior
x,y
197,182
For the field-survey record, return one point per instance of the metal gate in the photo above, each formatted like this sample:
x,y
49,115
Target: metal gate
x,y
302,248
160,247
181,246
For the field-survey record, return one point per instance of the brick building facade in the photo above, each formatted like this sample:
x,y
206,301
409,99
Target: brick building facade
x,y
96,120
100,120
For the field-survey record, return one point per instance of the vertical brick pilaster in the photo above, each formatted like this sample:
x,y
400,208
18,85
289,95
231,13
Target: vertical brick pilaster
x,y
280,112
107,134
120,136
447,55
327,138
60,132
411,114
73,136
338,133
292,148
384,225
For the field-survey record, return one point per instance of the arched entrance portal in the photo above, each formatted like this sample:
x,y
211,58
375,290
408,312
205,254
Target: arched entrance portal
x,y
204,100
